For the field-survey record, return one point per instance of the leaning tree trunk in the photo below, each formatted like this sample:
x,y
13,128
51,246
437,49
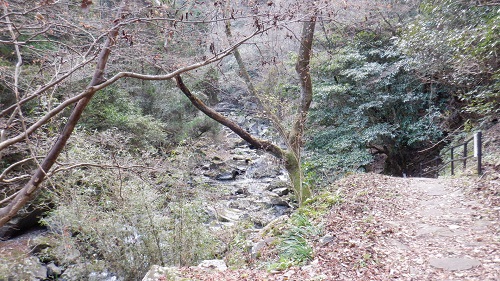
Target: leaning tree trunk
x,y
294,139
30,189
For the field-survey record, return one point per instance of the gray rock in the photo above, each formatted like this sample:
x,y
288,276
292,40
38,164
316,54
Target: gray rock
x,y
278,184
325,240
162,273
227,176
244,205
26,219
28,268
226,107
40,272
452,264
277,201
241,191
102,276
71,255
281,191
214,264
229,215
257,247
53,270
240,119
262,218
245,159
261,168
74,272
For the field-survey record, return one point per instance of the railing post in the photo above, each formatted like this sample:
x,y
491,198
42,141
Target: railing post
x,y
478,151
452,163
437,165
464,155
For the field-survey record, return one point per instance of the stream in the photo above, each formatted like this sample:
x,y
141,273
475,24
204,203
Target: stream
x,y
250,184
245,186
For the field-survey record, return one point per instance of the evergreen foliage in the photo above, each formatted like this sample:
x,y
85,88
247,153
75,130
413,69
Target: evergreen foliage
x,y
368,101
113,108
457,43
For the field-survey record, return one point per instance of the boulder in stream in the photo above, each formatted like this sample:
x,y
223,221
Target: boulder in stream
x,y
227,176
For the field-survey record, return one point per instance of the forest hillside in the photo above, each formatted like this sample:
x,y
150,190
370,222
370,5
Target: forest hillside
x,y
280,139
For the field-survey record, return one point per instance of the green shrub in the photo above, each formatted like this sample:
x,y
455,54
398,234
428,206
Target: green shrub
x,y
455,43
124,220
176,113
293,248
368,101
130,229
114,109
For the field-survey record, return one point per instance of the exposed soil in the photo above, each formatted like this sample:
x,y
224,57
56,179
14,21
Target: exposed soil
x,y
400,229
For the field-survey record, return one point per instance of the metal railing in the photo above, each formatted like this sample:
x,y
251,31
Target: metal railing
x,y
436,167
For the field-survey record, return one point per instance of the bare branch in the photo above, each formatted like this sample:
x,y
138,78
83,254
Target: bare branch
x,y
14,179
181,70
489,4
7,199
8,169
45,87
92,89
46,118
18,13
246,77
29,189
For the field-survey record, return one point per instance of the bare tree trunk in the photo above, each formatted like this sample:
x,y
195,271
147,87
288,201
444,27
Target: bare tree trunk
x,y
28,191
16,201
302,68
296,134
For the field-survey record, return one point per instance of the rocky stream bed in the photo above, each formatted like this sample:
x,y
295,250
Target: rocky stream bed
x,y
245,185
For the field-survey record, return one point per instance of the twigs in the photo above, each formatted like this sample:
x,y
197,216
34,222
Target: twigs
x,y
8,169
27,192
94,49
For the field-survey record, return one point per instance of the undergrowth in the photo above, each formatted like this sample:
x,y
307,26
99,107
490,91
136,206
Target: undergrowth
x,y
295,238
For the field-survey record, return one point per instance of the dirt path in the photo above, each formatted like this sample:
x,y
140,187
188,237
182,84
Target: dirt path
x,y
444,235
413,229
449,234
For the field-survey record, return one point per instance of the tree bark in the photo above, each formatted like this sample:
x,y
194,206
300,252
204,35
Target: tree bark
x,y
295,137
294,169
98,82
292,165
302,68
